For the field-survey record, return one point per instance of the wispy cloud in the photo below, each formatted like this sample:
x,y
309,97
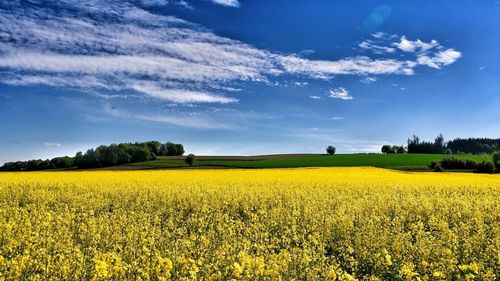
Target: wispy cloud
x,y
337,118
228,3
119,46
338,139
370,45
180,95
52,144
189,120
340,93
431,54
368,80
315,97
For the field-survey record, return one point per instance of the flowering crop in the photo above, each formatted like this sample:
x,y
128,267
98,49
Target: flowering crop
x,y
277,224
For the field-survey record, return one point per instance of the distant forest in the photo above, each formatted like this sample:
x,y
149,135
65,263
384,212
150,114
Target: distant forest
x,y
456,146
440,146
102,156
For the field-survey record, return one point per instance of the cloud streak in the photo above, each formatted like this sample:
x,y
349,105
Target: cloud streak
x,y
431,54
119,46
227,3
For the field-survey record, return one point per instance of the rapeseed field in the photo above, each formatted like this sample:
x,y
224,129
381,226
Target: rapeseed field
x,y
276,224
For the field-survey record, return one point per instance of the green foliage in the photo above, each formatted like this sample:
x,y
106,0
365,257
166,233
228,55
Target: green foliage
x,y
485,166
393,161
386,149
102,156
172,149
415,145
62,162
474,145
189,159
496,160
394,149
455,163
330,150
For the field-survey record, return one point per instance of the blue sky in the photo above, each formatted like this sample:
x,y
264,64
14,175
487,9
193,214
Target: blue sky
x,y
245,77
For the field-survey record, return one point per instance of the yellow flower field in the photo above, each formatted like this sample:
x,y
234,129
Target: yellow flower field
x,y
276,224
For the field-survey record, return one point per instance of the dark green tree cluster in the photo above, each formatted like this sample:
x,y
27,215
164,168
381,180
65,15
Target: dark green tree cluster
x,y
474,145
452,163
393,149
39,164
123,153
171,149
415,145
102,156
456,146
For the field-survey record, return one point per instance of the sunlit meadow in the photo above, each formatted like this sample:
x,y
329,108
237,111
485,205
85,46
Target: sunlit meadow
x,y
276,224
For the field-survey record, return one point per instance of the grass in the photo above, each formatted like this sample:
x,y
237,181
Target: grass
x,y
417,162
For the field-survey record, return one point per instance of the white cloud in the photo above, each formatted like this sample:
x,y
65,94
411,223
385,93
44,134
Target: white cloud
x,y
228,3
383,35
52,144
337,118
340,93
300,84
431,54
368,80
412,46
370,45
306,52
179,95
124,48
440,59
315,97
324,69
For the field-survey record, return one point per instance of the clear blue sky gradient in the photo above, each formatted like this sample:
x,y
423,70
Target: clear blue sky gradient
x,y
245,77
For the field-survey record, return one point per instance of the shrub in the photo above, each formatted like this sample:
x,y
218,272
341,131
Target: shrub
x,y
189,159
436,166
485,166
496,160
455,163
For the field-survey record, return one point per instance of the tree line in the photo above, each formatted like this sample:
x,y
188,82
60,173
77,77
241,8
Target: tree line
x,y
102,156
440,146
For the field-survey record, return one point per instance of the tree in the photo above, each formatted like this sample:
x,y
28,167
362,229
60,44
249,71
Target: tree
x,y
140,154
189,159
62,162
154,147
180,149
330,150
171,149
439,146
386,149
400,150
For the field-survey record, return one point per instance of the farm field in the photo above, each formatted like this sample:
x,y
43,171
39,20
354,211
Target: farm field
x,y
417,162
357,223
